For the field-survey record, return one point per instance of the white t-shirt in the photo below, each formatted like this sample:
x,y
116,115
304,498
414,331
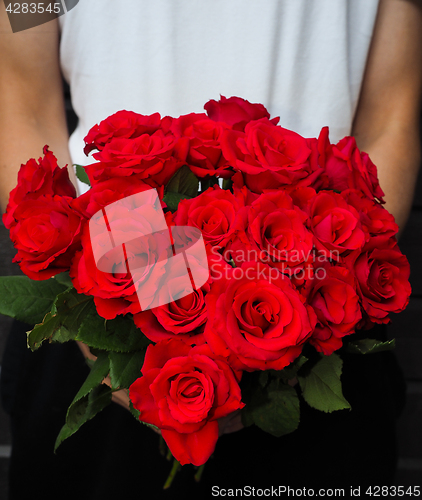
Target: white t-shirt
x,y
303,59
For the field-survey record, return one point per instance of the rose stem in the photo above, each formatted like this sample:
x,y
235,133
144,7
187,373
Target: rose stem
x,y
162,447
199,472
173,472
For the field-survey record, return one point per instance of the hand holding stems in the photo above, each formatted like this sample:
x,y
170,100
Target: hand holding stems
x,y
121,397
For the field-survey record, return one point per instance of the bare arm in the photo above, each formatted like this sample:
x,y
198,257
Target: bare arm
x,y
31,99
387,119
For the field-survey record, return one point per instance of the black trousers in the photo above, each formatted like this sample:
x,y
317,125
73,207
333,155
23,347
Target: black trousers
x,y
114,456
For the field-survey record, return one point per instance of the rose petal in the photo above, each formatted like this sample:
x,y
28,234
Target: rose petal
x,y
193,448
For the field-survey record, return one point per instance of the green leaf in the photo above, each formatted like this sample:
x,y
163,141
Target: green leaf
x,y
274,410
183,185
119,334
136,414
91,398
172,200
134,411
184,181
208,182
64,279
125,368
98,373
27,300
61,324
83,410
290,371
321,385
370,346
82,175
227,184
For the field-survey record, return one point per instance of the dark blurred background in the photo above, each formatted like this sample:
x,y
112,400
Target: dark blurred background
x,y
406,328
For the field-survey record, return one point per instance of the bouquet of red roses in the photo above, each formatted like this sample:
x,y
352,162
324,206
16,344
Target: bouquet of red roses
x,y
208,246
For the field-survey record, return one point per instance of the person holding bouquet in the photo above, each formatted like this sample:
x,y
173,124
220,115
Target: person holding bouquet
x,y
351,65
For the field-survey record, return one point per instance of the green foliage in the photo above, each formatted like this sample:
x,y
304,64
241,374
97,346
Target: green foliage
x,y
183,185
208,182
274,408
82,175
125,368
290,372
370,346
227,184
119,334
91,398
28,300
184,181
321,385
136,414
64,279
62,323
172,200
134,411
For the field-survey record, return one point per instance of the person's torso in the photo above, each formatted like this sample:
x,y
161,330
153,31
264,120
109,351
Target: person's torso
x,y
303,59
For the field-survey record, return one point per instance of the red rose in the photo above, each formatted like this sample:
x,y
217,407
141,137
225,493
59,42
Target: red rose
x,y
217,213
348,168
240,190
105,192
236,112
336,304
256,318
124,124
382,272
302,197
278,235
141,265
183,391
183,318
335,225
46,236
374,218
154,158
268,156
36,179
204,157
